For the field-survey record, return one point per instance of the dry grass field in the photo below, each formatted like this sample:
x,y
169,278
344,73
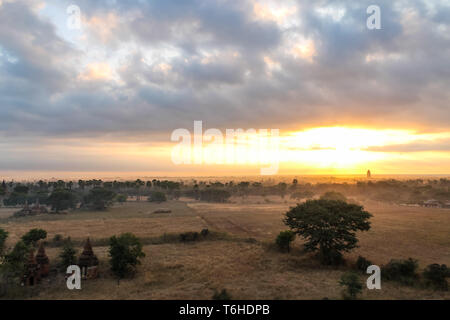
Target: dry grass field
x,y
245,263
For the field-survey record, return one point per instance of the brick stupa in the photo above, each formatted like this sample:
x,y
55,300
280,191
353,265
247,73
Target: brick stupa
x,y
88,262
32,272
43,261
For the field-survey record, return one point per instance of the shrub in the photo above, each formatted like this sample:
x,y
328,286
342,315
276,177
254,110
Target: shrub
x,y
222,295
33,236
284,240
67,255
204,232
189,236
402,271
121,198
125,252
157,196
353,287
3,236
57,238
362,264
435,276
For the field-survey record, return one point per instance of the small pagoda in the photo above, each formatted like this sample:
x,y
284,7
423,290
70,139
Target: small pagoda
x,y
43,261
32,273
34,210
88,262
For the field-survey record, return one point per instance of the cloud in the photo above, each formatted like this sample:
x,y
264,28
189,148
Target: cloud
x,y
416,146
149,67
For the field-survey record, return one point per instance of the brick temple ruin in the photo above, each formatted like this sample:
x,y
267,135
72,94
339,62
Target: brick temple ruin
x,y
88,262
33,210
38,267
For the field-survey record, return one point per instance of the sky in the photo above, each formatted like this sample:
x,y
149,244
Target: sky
x,y
109,95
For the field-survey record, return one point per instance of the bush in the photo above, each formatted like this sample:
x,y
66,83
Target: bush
x,y
284,240
435,276
57,238
362,264
67,255
222,295
3,236
121,198
189,236
157,196
352,284
204,232
33,236
125,252
402,271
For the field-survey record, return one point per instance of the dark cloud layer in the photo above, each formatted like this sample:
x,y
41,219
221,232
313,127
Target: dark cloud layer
x,y
216,69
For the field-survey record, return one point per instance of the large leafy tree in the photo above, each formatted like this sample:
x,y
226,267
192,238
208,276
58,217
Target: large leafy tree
x,y
14,261
328,226
100,198
62,199
33,236
125,252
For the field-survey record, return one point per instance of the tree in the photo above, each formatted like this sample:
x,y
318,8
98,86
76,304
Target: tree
x,y
2,194
435,276
215,195
328,226
125,252
222,295
62,199
282,189
333,195
157,196
3,236
15,260
353,287
121,198
100,198
21,189
298,195
284,240
67,255
33,236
